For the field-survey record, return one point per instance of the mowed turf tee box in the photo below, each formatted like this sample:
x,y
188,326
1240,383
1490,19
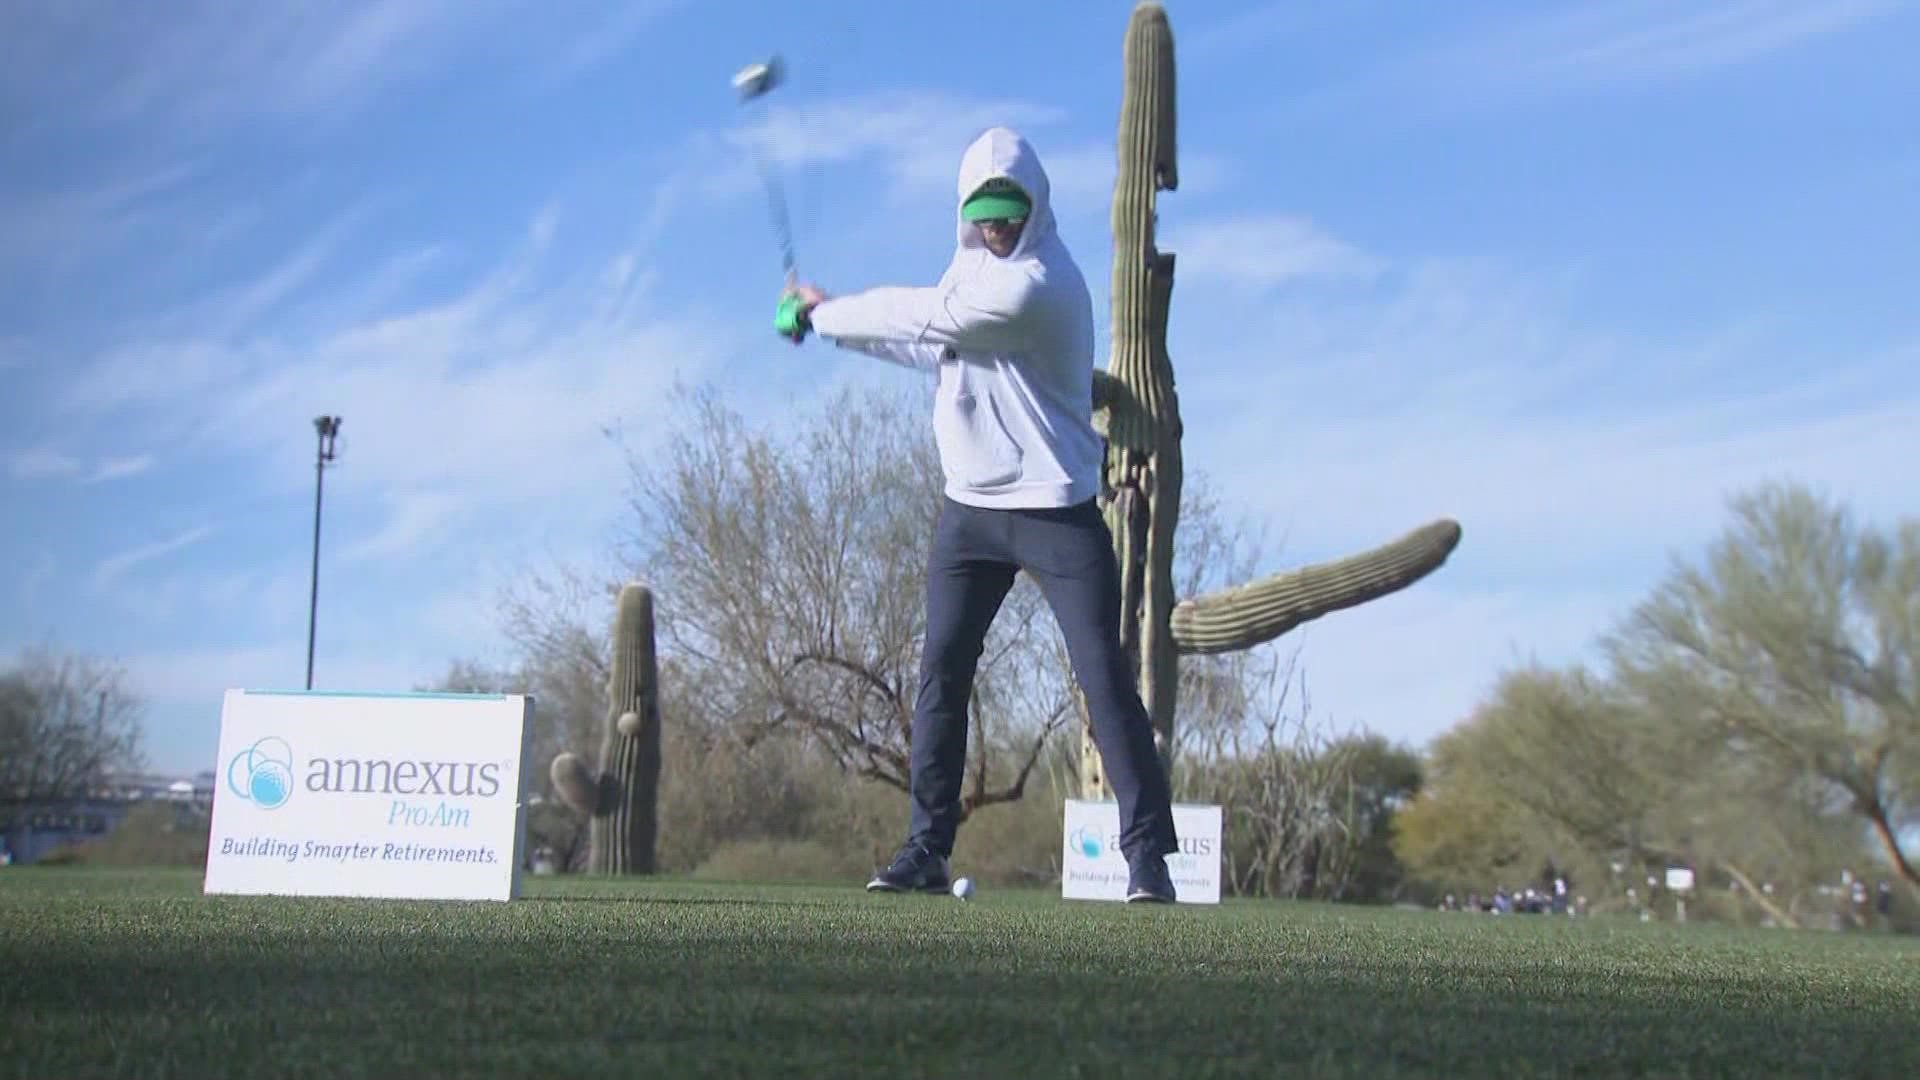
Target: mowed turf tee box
x,y
351,794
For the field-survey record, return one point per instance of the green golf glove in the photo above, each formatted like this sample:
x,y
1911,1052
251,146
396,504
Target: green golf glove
x,y
790,319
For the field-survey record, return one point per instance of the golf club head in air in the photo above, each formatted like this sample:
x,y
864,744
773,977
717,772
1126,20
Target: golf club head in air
x,y
756,79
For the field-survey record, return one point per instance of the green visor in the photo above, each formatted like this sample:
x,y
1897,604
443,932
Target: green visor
x,y
988,205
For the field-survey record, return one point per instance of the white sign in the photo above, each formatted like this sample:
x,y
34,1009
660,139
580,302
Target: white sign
x,y
321,793
1679,878
1092,867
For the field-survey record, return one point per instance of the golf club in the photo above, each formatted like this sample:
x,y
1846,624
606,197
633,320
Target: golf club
x,y
751,83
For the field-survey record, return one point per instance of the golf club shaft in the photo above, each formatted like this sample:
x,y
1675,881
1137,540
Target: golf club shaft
x,y
777,203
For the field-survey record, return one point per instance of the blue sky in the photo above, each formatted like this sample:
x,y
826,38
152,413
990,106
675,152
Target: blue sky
x,y
1571,273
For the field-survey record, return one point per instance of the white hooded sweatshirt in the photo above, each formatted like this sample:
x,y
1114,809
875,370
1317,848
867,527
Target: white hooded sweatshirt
x,y
1011,340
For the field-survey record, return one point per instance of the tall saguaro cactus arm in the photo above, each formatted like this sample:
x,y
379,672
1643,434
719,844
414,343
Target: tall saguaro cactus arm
x,y
1143,469
1252,614
1138,411
621,800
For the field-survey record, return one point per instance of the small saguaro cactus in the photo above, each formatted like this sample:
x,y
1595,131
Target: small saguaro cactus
x,y
621,801
1139,410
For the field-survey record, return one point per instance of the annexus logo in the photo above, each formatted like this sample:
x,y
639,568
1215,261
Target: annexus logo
x,y
1087,841
369,776
262,774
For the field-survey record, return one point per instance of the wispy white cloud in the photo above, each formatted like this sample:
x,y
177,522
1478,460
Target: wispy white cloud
x,y
1640,40
1083,175
185,687
917,135
495,397
236,309
143,372
1264,250
1204,39
364,45
191,66
411,519
46,463
119,468
461,617
41,463
1409,665
611,35
1614,44
51,231
265,592
1464,391
1254,27
1577,456
198,677
913,140
107,570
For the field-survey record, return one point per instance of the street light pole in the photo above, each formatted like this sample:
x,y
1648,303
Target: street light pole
x,y
327,427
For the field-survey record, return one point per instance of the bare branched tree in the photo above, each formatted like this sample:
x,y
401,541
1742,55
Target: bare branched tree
x,y
1307,808
557,618
1276,771
67,723
1211,552
790,571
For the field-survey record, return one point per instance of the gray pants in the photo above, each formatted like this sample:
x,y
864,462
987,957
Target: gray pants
x,y
1069,554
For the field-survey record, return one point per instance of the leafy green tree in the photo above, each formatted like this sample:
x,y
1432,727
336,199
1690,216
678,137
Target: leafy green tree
x,y
1497,799
1794,646
1562,768
1357,862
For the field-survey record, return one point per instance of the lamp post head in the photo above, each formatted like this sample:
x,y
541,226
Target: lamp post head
x,y
328,427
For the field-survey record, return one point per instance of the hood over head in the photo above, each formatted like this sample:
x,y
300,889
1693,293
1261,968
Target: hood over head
x,y
1000,153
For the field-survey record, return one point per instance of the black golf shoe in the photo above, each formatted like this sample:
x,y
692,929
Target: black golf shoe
x,y
1148,881
914,869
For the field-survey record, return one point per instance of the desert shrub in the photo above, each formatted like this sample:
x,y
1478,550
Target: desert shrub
x,y
151,834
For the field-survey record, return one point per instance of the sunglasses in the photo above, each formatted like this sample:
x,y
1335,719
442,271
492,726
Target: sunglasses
x,y
1001,223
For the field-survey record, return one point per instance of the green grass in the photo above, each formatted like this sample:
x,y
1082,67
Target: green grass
x,y
111,973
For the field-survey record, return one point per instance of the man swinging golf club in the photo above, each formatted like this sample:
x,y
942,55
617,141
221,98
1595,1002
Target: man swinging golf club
x,y
1009,331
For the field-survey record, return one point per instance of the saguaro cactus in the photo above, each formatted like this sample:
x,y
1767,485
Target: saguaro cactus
x,y
621,800
1141,415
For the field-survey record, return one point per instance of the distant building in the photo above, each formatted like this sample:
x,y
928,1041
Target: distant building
x,y
31,829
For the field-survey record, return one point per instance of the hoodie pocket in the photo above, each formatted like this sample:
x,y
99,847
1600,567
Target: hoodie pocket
x,y
975,448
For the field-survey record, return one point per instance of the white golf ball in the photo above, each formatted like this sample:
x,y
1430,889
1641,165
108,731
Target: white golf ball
x,y
963,887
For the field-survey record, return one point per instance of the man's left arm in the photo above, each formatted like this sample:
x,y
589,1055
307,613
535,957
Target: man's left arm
x,y
974,316
904,353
